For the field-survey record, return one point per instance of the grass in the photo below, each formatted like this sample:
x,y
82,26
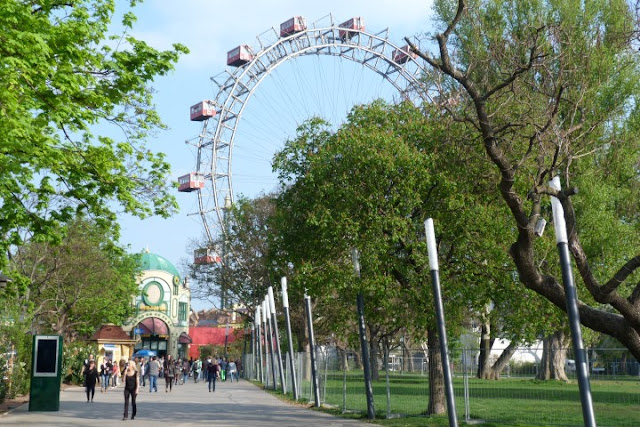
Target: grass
x,y
511,401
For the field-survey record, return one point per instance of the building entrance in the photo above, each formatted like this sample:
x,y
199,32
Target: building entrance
x,y
154,335
156,343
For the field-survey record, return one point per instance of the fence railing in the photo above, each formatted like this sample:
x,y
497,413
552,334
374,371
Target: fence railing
x,y
402,387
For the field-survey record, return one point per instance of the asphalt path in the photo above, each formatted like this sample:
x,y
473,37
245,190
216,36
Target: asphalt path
x,y
232,404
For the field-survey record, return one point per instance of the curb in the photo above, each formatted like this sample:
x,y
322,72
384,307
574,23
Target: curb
x,y
13,409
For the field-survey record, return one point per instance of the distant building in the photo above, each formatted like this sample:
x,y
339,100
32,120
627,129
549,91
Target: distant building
x,y
113,343
161,320
209,327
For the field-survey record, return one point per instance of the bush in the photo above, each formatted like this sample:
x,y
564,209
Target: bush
x,y
14,380
20,380
73,357
3,378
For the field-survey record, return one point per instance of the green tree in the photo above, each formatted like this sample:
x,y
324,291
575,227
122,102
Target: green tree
x,y
245,272
370,185
550,88
62,77
77,285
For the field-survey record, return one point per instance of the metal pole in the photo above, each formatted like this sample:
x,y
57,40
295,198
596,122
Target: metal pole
x,y
437,298
252,351
265,335
272,304
259,371
345,362
244,343
312,347
226,339
571,296
371,411
386,371
287,316
270,336
467,406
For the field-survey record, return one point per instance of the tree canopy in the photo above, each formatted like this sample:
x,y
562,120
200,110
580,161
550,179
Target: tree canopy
x,y
73,287
550,88
75,115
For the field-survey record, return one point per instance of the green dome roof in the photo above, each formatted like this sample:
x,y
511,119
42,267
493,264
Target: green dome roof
x,y
151,261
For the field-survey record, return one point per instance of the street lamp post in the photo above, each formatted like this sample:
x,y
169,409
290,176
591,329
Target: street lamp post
x,y
572,307
226,339
312,347
287,316
269,335
371,410
259,371
274,326
437,299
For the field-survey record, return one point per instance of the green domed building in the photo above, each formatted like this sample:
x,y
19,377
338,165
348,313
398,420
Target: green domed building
x,y
161,322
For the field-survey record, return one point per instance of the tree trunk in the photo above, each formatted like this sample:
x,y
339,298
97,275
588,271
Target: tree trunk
x,y
345,360
484,359
357,360
408,356
404,356
437,404
554,357
374,349
503,360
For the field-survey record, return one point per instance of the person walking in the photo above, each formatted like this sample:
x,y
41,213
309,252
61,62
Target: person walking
x,y
213,373
105,375
233,371
85,364
223,369
205,368
239,368
90,379
169,373
154,371
122,366
186,368
178,364
143,372
197,368
114,375
131,388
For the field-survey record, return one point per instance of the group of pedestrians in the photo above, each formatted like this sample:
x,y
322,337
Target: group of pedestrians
x,y
107,376
219,369
174,372
136,372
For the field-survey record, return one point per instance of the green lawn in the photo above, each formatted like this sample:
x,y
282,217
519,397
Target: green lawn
x,y
508,401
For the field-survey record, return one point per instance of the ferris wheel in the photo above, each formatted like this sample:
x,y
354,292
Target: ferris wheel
x,y
249,66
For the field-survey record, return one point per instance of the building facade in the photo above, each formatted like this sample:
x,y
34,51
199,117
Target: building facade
x,y
162,308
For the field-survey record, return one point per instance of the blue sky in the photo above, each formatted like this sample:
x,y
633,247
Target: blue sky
x,y
211,28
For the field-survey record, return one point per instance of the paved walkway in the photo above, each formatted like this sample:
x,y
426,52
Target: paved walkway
x,y
232,404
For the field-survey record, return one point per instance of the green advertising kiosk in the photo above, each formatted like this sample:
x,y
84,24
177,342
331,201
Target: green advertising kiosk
x,y
46,373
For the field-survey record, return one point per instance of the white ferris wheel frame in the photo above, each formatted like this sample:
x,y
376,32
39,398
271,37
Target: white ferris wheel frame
x,y
235,88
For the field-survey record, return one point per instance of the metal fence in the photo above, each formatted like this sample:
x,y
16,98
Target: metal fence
x,y
517,397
